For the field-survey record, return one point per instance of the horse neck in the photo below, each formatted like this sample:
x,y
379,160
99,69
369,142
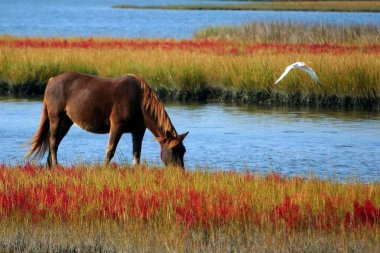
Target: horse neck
x,y
157,127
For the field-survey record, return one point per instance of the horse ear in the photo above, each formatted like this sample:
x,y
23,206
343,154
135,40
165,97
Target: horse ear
x,y
182,136
173,143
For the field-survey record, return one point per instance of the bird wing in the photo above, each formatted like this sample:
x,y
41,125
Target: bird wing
x,y
290,67
311,73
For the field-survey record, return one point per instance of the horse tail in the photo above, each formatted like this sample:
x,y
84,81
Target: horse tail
x,y
40,141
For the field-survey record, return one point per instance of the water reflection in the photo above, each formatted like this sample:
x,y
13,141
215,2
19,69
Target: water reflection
x,y
305,112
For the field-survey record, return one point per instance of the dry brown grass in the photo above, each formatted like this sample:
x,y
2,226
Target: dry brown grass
x,y
294,33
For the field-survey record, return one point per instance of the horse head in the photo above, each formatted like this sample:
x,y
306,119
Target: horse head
x,y
172,149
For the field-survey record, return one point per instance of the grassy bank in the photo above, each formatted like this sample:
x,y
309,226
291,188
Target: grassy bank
x,y
202,69
291,32
342,6
119,208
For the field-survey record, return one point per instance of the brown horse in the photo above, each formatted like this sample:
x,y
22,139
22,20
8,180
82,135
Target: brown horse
x,y
100,105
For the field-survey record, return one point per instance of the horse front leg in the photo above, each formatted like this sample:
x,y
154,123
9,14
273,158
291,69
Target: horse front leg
x,y
137,138
115,135
48,161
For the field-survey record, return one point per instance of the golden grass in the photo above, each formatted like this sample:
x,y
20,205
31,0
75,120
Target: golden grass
x,y
346,71
353,74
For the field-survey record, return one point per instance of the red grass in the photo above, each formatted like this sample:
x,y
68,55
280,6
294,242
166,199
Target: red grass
x,y
288,212
218,47
363,214
32,193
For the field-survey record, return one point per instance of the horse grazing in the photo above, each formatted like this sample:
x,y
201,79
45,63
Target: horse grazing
x,y
100,105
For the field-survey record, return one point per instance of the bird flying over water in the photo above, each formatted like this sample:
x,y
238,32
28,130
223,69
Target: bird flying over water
x,y
299,65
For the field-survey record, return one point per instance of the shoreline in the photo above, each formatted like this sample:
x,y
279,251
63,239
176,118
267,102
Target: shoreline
x,y
331,6
208,93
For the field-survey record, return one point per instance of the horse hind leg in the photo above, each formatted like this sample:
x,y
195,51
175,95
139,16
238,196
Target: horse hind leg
x,y
59,127
115,135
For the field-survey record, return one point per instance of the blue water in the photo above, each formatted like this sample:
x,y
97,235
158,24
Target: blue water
x,y
223,137
97,18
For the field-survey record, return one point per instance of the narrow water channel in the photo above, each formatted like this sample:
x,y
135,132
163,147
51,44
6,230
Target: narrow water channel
x,y
223,137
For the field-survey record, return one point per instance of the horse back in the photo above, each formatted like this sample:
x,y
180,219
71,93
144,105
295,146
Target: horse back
x,y
94,102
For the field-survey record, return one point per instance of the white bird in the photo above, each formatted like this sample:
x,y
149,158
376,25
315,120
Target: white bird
x,y
299,65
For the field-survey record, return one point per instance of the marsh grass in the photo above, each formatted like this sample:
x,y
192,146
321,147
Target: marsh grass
x,y
88,208
112,237
204,70
291,32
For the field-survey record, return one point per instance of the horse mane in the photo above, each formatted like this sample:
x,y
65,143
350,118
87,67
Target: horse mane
x,y
155,108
